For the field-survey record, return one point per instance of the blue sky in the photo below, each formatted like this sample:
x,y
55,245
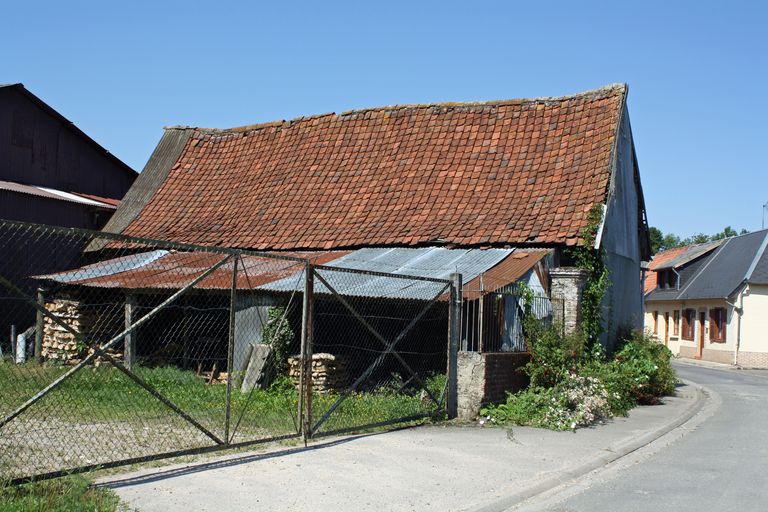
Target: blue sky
x,y
697,72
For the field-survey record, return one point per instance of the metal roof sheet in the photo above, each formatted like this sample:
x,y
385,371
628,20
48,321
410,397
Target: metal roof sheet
x,y
170,269
56,195
426,262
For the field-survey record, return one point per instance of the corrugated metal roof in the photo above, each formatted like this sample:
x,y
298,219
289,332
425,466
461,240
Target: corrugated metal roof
x,y
173,270
56,195
169,270
428,262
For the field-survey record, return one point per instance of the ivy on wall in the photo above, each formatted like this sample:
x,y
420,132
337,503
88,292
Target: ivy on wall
x,y
587,257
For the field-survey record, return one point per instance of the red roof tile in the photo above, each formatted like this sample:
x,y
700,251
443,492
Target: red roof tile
x,y
507,172
658,260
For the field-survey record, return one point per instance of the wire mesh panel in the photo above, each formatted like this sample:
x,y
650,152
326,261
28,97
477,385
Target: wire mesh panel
x,y
117,349
495,321
378,349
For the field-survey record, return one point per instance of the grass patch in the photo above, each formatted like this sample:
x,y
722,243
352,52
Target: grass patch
x,y
99,415
69,494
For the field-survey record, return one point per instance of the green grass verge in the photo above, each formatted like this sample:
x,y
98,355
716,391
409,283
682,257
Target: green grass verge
x,y
70,494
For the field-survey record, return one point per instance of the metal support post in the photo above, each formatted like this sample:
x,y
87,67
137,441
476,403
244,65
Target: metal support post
x,y
454,319
481,318
129,348
230,350
305,378
39,323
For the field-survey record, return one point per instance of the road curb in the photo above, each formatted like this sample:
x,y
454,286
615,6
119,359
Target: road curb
x,y
614,453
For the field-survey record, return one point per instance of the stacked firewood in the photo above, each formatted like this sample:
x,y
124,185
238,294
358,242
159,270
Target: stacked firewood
x,y
329,372
59,344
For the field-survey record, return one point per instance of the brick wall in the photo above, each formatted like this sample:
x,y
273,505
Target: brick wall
x,y
504,373
486,378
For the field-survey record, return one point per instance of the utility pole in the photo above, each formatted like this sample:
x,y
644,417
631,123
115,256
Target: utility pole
x,y
765,207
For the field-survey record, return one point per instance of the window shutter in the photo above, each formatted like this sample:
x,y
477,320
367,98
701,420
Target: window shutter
x,y
723,323
713,334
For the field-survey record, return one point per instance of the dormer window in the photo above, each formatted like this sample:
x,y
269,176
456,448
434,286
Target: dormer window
x,y
666,279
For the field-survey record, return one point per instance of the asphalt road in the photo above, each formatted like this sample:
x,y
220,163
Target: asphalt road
x,y
721,465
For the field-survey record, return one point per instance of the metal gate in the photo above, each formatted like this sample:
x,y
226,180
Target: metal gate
x,y
121,350
377,352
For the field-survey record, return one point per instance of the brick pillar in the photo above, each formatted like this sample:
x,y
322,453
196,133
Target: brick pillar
x,y
566,289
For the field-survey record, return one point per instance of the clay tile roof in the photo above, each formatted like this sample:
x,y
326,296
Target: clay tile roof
x,y
475,174
659,259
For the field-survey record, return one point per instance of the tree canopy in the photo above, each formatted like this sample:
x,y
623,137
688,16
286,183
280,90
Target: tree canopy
x,y
662,241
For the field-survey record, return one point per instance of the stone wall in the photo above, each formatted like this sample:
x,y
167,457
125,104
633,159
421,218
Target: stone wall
x,y
486,378
567,284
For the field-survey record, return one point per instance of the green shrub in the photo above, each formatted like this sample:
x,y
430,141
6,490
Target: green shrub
x,y
649,362
279,334
553,356
572,387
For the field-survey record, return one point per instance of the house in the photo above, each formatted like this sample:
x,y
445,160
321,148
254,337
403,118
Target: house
x,y
513,174
710,301
50,173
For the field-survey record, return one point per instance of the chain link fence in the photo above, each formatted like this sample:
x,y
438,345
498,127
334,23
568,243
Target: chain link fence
x,y
118,350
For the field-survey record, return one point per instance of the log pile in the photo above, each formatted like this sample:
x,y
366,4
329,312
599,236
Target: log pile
x,y
60,345
329,372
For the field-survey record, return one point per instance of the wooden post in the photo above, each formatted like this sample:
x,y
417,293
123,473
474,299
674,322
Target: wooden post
x,y
39,324
305,377
454,319
129,349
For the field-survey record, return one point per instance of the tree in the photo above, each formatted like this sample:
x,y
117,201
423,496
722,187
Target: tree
x,y
727,232
670,241
664,241
656,239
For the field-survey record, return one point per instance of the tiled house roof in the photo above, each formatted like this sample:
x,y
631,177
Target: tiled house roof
x,y
658,261
480,174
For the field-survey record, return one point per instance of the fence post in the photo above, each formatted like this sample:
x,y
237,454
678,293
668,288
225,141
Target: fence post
x,y
230,349
129,349
481,318
305,376
454,319
39,323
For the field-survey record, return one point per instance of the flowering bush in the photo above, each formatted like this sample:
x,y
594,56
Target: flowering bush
x,y
569,390
575,402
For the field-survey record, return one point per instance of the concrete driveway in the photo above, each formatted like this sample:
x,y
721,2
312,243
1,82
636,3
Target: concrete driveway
x,y
425,468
